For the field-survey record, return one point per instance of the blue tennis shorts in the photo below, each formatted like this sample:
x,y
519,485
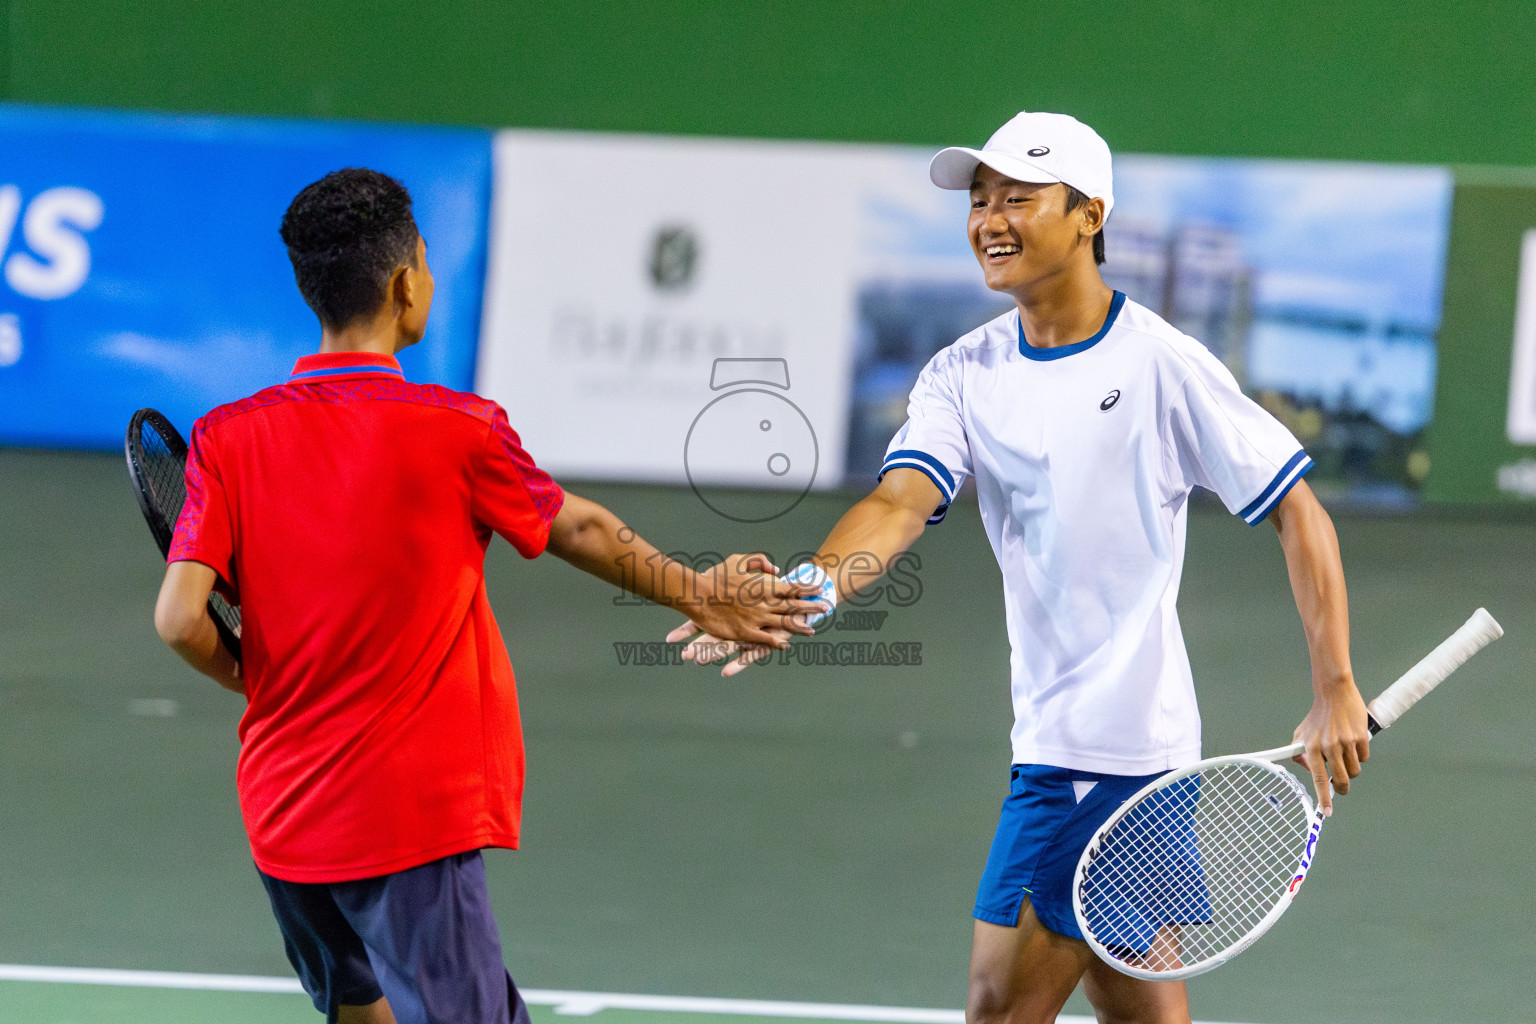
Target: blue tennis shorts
x,y
1042,833
424,937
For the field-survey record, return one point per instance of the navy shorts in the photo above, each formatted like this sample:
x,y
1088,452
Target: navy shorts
x,y
424,938
1042,833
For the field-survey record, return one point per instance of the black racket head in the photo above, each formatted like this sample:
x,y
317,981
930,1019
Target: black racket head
x,y
157,468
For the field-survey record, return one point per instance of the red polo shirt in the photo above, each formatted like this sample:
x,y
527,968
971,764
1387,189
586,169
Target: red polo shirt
x,y
349,511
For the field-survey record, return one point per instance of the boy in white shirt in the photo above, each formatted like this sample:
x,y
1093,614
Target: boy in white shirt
x,y
1086,420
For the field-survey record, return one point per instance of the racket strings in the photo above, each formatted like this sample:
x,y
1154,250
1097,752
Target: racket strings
x,y
1195,866
164,474
1198,875
225,611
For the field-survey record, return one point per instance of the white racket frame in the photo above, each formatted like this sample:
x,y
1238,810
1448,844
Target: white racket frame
x,y
1264,759
1476,633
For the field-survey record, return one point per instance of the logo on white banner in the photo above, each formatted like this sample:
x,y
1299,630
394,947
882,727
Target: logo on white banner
x,y
674,256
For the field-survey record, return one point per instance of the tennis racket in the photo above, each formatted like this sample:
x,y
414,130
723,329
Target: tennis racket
x,y
1191,870
157,468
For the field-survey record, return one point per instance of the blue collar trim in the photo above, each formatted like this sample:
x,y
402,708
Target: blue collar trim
x,y
336,371
1029,351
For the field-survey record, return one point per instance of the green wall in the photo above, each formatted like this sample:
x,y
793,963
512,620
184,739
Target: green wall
x,y
1406,80
1492,210
5,48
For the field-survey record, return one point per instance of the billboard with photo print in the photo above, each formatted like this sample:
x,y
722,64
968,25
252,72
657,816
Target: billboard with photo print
x,y
1318,285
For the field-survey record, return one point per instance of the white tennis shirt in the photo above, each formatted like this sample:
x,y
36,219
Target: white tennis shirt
x,y
1084,457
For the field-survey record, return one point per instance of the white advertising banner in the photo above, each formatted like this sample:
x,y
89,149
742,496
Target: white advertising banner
x,y
676,310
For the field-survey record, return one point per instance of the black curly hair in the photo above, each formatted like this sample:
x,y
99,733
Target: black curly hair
x,y
346,235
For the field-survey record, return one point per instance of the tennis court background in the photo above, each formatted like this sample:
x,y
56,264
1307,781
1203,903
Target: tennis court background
x,y
805,834
797,833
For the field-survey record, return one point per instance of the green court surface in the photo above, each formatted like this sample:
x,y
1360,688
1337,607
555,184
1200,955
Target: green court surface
x,y
42,1003
798,833
39,1003
91,1004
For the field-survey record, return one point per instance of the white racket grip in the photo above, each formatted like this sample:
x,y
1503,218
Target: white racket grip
x,y
1478,632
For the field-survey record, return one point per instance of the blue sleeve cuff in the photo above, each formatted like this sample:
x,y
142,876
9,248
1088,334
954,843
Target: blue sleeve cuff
x,y
932,468
925,463
1278,488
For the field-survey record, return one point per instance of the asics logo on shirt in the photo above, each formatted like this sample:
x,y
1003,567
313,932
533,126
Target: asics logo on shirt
x,y
1040,151
1109,401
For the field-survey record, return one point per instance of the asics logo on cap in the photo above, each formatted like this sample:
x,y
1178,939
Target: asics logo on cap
x,y
1040,151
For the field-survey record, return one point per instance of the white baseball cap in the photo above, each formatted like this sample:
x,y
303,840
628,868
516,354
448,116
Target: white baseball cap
x,y
1035,147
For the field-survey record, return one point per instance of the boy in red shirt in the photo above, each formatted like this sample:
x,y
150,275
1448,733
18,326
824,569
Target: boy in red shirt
x,y
348,511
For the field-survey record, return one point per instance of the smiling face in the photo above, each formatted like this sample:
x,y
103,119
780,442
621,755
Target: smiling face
x,y
1023,234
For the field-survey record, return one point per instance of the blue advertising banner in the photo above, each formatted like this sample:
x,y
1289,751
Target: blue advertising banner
x,y
140,262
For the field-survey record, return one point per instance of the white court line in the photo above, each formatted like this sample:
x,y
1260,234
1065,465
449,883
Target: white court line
x,y
579,1004
587,1003
149,979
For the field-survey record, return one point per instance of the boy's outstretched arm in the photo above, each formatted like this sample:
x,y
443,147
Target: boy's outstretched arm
x,y
1335,730
882,525
740,599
